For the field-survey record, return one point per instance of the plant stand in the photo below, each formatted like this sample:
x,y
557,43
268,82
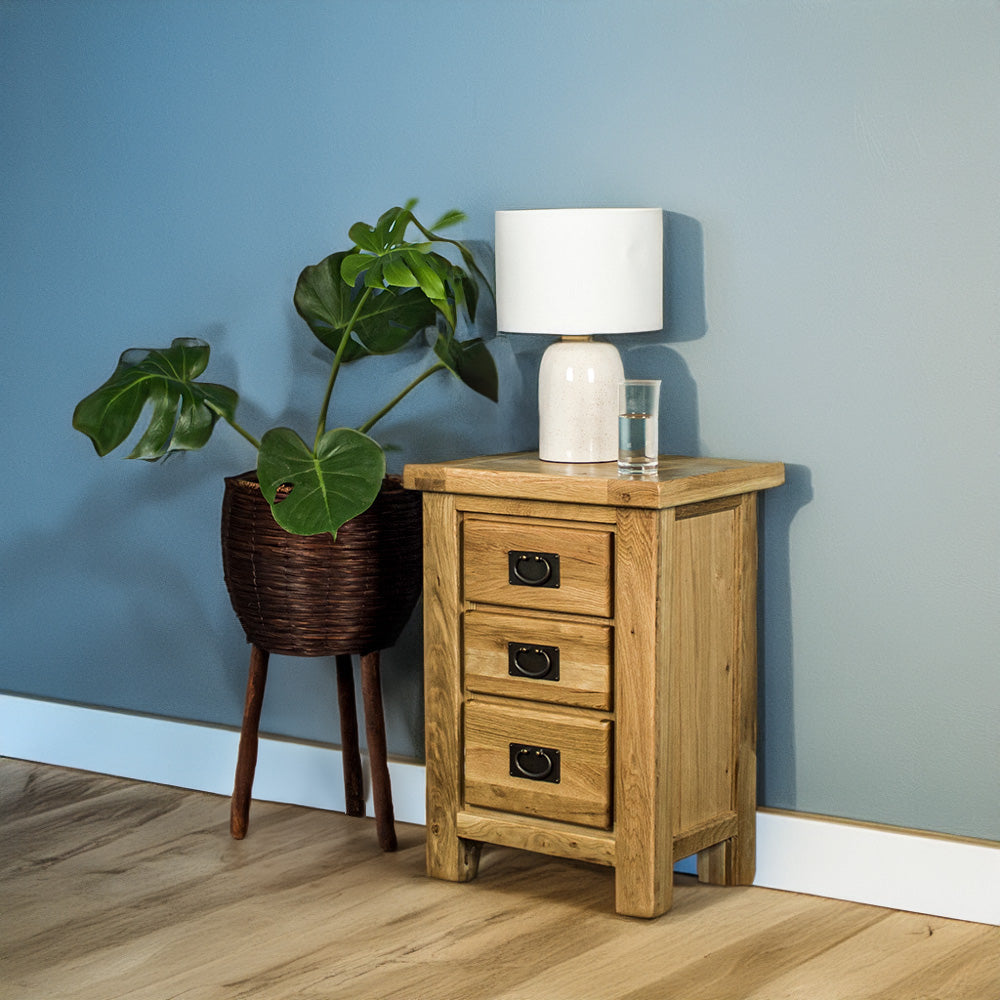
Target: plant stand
x,y
371,693
315,596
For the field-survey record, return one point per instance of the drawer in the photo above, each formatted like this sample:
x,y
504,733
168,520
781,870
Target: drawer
x,y
556,765
538,659
530,565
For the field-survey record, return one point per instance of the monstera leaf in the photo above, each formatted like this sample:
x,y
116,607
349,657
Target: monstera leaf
x,y
331,484
184,411
471,362
383,258
386,320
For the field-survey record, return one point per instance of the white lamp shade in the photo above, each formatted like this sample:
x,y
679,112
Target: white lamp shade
x,y
579,271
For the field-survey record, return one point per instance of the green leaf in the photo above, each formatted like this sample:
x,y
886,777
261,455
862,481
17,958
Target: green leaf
x,y
365,237
387,321
373,277
321,294
471,290
450,218
467,257
404,216
386,226
353,266
397,273
330,485
184,412
471,362
428,272
392,319
325,303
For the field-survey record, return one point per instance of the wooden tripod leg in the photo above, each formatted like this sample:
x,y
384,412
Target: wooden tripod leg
x,y
246,760
371,690
354,795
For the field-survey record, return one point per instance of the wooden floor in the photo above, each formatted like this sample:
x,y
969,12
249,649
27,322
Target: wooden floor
x,y
111,888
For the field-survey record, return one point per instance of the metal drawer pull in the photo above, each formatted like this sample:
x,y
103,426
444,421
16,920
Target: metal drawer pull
x,y
534,763
540,663
533,569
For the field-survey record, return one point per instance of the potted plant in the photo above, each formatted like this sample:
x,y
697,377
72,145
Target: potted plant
x,y
371,299
321,550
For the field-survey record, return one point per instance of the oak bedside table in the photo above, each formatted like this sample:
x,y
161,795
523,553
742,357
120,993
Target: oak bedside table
x,y
590,666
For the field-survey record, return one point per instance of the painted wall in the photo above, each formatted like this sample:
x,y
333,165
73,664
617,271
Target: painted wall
x,y
829,173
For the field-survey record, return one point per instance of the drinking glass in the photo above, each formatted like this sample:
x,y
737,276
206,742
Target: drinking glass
x,y
638,421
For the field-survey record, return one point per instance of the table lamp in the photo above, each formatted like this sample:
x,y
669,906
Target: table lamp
x,y
577,272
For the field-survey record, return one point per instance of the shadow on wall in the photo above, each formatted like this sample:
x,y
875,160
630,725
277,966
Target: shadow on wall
x,y
684,278
776,713
645,356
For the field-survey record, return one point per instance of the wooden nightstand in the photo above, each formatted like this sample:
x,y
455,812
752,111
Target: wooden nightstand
x,y
590,666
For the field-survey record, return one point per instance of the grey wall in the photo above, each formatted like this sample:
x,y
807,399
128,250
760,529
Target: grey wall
x,y
829,172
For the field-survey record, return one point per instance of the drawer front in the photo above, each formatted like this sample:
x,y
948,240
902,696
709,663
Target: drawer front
x,y
538,659
545,567
536,763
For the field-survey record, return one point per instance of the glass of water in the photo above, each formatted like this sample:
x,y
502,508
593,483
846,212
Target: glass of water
x,y
638,421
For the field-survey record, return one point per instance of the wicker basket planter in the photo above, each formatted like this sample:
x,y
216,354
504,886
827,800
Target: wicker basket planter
x,y
311,595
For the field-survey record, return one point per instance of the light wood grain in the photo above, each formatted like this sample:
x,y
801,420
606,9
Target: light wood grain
x,y
669,561
583,793
564,840
448,856
584,565
584,658
703,637
679,480
740,864
117,890
643,821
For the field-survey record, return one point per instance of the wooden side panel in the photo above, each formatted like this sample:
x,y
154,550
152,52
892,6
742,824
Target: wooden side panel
x,y
584,658
583,742
643,834
584,565
448,856
704,658
733,862
743,862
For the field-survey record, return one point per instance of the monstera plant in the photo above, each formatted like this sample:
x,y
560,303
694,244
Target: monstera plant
x,y
373,298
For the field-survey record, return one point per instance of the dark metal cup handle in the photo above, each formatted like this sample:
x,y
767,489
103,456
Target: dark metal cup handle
x,y
533,580
528,671
535,764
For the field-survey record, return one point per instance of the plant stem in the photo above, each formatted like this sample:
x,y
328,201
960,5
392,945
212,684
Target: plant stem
x,y
235,426
367,426
335,367
239,430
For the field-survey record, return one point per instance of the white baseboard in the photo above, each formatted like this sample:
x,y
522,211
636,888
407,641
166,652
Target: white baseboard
x,y
189,755
931,874
903,870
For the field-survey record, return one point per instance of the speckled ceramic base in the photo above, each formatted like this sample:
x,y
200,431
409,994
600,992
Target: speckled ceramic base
x,y
578,401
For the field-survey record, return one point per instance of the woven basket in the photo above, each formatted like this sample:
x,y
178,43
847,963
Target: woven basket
x,y
311,595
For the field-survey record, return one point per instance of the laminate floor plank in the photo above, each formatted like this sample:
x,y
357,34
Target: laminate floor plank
x,y
119,890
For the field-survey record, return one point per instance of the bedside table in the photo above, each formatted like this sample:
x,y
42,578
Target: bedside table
x,y
590,666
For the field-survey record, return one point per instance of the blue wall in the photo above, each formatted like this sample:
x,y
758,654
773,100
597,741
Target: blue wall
x,y
829,172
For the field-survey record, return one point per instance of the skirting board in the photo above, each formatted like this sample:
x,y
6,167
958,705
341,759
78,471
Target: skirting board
x,y
938,875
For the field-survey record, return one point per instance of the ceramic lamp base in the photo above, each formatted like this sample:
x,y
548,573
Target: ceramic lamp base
x,y
578,401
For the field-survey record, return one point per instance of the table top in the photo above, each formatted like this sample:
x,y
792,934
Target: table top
x,y
678,480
